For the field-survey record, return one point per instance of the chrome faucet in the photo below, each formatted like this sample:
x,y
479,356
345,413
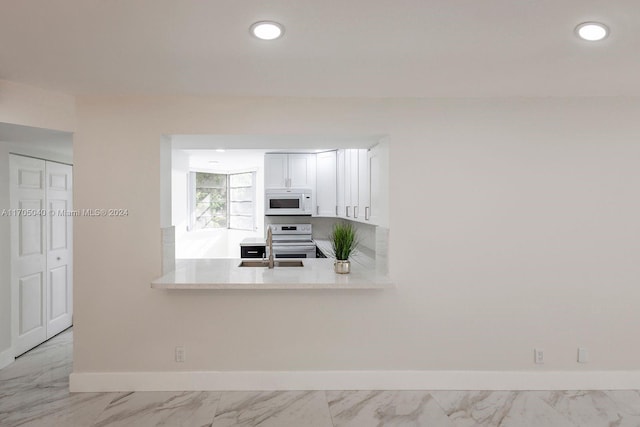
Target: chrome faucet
x,y
270,245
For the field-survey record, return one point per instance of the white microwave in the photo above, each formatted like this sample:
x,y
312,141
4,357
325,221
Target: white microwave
x,y
284,201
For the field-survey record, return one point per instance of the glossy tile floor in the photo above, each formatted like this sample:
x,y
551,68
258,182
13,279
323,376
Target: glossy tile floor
x,y
34,392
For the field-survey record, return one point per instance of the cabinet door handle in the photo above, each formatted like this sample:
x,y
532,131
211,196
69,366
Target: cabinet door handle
x,y
337,210
346,210
317,210
355,211
252,252
366,213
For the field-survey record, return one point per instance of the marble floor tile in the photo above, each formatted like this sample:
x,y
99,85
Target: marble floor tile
x,y
627,400
528,410
273,409
52,407
475,408
48,364
594,408
150,409
385,408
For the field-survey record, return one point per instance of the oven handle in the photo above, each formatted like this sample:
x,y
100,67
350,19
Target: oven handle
x,y
296,249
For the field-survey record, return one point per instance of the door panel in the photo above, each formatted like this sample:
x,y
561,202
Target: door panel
x,y
58,225
58,181
32,295
30,177
28,259
59,251
30,230
58,282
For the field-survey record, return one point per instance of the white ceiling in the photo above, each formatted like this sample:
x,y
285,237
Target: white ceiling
x,y
415,48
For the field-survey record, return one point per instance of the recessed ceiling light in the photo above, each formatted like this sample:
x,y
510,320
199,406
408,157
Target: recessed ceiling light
x,y
220,150
592,31
267,30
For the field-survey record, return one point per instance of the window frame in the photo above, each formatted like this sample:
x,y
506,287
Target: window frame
x,y
192,202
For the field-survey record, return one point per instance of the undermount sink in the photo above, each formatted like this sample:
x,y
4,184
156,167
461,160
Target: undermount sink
x,y
293,263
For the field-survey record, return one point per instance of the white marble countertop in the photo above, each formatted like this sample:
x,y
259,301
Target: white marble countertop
x,y
253,241
226,274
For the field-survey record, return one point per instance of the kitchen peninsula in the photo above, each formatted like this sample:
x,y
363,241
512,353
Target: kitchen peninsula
x,y
316,273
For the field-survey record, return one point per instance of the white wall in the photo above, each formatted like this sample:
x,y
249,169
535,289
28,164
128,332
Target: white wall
x,y
513,225
30,106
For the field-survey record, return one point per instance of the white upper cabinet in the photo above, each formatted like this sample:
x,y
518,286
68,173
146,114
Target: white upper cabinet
x,y
374,213
326,175
340,183
352,184
364,187
293,170
275,170
346,183
301,170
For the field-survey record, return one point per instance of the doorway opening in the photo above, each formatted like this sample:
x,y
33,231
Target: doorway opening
x,y
36,237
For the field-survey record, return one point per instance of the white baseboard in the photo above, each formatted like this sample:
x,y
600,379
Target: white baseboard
x,y
353,380
6,358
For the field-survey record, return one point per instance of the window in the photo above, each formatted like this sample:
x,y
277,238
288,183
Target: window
x,y
242,205
222,200
211,200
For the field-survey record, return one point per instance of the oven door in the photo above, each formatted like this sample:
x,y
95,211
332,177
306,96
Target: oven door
x,y
294,251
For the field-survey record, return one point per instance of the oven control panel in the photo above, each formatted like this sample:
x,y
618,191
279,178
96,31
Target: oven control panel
x,y
291,228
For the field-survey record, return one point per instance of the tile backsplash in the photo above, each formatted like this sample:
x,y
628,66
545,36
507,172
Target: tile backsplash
x,y
168,236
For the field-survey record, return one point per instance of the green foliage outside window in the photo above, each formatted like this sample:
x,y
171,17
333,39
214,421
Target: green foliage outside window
x,y
224,201
211,200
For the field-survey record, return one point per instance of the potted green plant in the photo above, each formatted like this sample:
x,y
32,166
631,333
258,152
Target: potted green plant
x,y
344,240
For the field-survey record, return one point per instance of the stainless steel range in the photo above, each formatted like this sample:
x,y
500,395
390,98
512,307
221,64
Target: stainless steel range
x,y
292,241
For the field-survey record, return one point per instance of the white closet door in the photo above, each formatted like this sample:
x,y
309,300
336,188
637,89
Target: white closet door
x,y
59,243
28,253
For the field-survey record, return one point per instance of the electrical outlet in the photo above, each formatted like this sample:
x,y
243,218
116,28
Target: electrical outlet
x,y
583,356
181,354
538,356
